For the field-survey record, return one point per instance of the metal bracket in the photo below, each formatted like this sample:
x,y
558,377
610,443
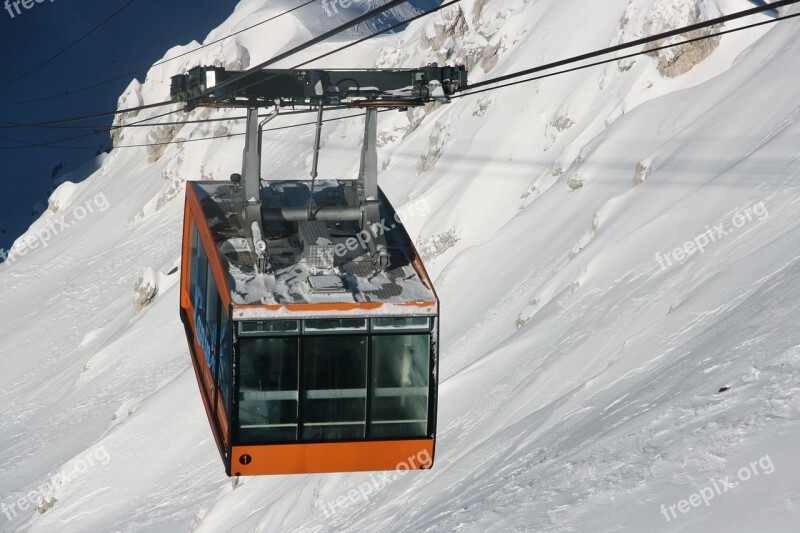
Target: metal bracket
x,y
315,163
368,178
251,182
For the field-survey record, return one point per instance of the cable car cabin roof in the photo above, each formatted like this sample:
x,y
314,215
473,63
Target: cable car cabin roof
x,y
313,269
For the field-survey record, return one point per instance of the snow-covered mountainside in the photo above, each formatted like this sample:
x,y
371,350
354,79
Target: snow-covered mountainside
x,y
616,251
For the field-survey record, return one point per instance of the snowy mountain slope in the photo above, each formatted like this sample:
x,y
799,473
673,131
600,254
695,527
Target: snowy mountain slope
x,y
580,371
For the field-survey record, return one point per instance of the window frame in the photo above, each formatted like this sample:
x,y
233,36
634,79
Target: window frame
x,y
238,373
431,330
371,388
305,391
225,367
214,318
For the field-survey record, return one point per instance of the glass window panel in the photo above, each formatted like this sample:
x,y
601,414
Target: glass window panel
x,y
201,304
411,322
199,272
224,374
211,341
269,326
400,386
193,261
334,387
332,324
268,389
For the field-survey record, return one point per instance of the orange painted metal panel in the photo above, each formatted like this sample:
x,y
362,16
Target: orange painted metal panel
x,y
421,272
312,458
197,363
222,419
202,371
186,252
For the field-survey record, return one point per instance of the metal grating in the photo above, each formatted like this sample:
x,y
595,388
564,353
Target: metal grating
x,y
318,250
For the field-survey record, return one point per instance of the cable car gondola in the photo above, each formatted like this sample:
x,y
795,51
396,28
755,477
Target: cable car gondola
x,y
311,321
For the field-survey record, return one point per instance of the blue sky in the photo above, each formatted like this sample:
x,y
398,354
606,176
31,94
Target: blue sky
x,y
137,37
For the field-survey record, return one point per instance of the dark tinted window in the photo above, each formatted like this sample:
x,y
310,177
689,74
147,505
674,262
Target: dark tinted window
x,y
224,380
205,301
268,389
333,324
269,326
400,386
199,272
412,322
210,343
335,387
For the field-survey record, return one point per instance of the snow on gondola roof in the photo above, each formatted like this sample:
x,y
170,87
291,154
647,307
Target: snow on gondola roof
x,y
335,273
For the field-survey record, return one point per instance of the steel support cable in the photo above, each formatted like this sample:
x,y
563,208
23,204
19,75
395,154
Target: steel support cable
x,y
283,55
84,135
363,39
141,124
581,67
637,42
297,49
226,136
513,75
339,49
385,30
627,56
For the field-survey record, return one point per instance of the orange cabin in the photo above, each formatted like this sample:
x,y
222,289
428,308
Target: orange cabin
x,y
320,362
